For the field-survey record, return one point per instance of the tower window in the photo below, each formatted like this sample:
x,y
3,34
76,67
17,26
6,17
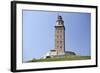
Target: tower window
x,y
60,42
57,46
60,46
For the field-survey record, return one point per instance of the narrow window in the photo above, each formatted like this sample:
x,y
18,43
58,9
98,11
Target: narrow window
x,y
60,42
57,46
57,42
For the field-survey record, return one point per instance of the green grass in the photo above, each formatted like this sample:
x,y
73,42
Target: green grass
x,y
65,58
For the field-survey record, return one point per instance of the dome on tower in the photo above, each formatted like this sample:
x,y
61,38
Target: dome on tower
x,y
59,21
59,18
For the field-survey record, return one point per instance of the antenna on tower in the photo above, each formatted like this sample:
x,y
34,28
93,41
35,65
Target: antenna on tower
x,y
58,14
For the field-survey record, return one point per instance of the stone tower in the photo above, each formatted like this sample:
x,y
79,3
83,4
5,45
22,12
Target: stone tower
x,y
60,36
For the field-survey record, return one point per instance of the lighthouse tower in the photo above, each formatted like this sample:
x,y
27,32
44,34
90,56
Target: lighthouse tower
x,y
59,50
60,36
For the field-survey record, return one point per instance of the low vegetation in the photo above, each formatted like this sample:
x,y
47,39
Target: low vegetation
x,y
65,58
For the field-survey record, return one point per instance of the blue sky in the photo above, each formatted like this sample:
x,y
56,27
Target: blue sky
x,y
38,32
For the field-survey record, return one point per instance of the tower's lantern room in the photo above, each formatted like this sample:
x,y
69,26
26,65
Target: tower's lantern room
x,y
59,21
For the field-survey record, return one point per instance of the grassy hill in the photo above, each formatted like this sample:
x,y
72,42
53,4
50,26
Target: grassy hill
x,y
65,58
